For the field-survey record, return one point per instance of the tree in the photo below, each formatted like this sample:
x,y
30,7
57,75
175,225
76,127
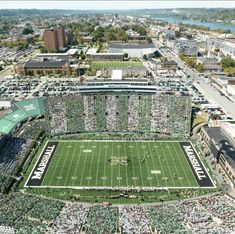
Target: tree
x,y
149,40
189,36
229,71
83,57
227,62
200,68
125,55
27,31
177,34
145,57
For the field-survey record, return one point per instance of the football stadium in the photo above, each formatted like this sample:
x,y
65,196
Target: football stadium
x,y
117,136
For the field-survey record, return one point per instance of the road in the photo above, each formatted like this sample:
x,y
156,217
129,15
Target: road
x,y
213,94
181,64
210,93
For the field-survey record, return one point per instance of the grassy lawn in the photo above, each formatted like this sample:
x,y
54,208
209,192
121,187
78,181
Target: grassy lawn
x,y
115,65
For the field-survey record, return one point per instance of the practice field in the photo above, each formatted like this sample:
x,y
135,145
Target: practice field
x,y
167,164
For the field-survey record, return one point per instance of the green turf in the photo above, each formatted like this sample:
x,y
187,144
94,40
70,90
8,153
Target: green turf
x,y
115,64
73,165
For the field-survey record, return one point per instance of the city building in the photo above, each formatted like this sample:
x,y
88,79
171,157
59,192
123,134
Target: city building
x,y
219,142
133,50
210,64
54,39
184,46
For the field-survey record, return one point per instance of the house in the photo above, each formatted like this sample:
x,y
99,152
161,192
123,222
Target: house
x,y
210,64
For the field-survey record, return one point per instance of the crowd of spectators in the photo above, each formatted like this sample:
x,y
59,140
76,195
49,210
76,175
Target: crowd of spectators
x,y
33,214
28,214
71,218
102,219
74,113
134,219
145,109
100,112
144,113
89,117
213,214
133,120
32,129
111,113
12,154
56,110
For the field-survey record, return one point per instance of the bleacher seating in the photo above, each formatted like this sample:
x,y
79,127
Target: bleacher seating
x,y
159,113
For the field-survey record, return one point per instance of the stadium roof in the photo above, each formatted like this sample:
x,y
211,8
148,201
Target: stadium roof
x,y
32,107
26,109
6,126
16,116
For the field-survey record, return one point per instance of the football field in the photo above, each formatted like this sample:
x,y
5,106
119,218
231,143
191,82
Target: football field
x,y
118,164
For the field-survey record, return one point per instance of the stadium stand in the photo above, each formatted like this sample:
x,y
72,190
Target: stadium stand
x,y
12,154
25,213
89,113
71,218
122,113
159,113
102,219
100,112
134,219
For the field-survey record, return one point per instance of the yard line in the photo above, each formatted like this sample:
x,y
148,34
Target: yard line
x,y
56,162
127,184
140,165
97,168
153,161
70,164
112,169
177,153
147,166
168,165
162,171
133,165
105,152
174,164
189,164
118,166
63,165
78,162
83,168
91,164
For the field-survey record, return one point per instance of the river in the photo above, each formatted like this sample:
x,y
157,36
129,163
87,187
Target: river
x,y
211,25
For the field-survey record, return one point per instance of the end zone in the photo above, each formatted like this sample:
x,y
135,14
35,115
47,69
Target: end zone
x,y
201,174
41,166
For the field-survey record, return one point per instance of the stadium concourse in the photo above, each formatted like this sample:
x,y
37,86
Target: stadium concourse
x,y
22,213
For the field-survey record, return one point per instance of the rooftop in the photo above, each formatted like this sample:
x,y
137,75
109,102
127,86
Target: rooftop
x,y
44,64
222,141
131,46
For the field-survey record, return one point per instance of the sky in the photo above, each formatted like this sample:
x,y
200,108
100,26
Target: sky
x,y
102,5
